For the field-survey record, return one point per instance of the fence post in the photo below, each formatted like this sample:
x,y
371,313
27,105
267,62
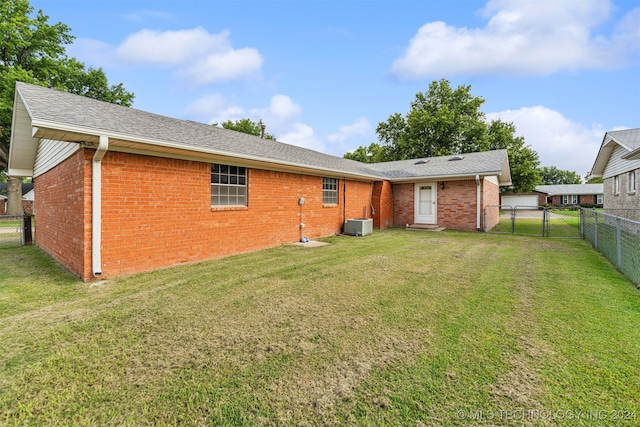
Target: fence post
x,y
26,238
513,220
581,223
618,242
595,229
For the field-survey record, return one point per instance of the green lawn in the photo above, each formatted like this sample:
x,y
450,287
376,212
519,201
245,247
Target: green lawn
x,y
396,328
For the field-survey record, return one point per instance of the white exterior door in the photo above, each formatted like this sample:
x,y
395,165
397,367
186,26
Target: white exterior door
x,y
425,203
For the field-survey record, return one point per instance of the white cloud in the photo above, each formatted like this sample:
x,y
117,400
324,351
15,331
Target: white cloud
x,y
171,47
199,56
143,14
558,141
281,109
280,117
214,109
301,135
522,37
360,127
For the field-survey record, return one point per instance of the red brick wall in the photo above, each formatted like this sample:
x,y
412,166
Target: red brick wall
x,y
63,198
383,204
3,206
582,199
403,206
490,197
157,212
457,205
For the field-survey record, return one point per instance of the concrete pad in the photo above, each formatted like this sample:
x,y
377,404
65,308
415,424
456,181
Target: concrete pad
x,y
310,244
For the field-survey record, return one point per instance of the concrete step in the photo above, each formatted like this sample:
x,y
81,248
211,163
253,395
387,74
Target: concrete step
x,y
424,227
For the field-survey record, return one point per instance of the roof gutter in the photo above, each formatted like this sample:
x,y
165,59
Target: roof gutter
x,y
96,206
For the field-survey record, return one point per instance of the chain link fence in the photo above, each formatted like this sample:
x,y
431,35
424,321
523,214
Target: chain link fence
x,y
15,231
533,221
615,233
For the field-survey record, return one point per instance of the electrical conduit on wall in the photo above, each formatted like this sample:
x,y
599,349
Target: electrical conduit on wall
x,y
96,206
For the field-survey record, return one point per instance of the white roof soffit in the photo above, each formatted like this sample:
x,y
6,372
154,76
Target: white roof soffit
x,y
23,146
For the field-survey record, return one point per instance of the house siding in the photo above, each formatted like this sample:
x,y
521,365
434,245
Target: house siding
x,y
617,165
63,212
156,212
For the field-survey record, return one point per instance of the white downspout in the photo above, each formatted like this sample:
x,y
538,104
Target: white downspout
x,y
96,206
478,202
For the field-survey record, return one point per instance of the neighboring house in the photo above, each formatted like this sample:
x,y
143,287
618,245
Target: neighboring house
x,y
122,190
618,163
530,200
27,198
573,194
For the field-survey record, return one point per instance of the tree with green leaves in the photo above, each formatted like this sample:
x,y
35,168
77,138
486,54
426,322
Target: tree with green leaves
x,y
374,153
551,175
33,51
248,126
444,121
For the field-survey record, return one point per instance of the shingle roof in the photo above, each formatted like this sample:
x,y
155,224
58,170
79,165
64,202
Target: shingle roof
x,y
629,139
469,164
51,108
580,189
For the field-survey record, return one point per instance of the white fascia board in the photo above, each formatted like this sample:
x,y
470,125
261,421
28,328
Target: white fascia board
x,y
444,177
20,172
166,144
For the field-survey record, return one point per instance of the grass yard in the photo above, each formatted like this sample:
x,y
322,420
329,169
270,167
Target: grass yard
x,y
396,328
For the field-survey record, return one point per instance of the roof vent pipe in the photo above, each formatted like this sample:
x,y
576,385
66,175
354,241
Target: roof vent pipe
x,y
96,206
262,128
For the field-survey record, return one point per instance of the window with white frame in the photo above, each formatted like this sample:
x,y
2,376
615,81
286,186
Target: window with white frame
x,y
329,191
616,184
631,182
228,185
599,199
569,199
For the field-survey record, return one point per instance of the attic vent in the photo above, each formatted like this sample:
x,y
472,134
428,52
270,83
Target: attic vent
x,y
421,162
456,158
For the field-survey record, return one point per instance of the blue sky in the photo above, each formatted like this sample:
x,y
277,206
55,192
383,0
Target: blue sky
x,y
322,74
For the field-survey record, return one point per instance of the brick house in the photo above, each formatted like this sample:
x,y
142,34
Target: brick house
x,y
573,194
119,190
618,163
